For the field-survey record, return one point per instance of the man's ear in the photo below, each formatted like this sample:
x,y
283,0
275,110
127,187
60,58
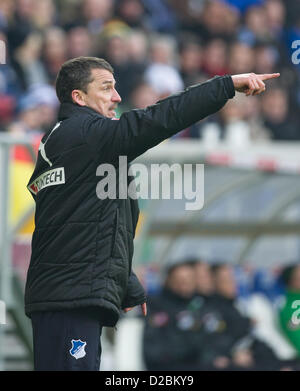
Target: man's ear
x,y
78,97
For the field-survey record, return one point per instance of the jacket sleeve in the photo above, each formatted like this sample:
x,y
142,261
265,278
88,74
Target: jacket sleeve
x,y
138,130
135,294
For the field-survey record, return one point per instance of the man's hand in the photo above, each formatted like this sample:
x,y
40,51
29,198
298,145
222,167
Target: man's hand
x,y
252,84
243,358
143,306
221,362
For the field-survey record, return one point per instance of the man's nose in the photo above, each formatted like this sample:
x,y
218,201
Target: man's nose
x,y
116,97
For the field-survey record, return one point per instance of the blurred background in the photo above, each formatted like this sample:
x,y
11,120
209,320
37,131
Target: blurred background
x,y
223,282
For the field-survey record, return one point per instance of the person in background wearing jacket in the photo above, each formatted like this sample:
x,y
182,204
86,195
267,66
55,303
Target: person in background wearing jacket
x,y
172,332
204,279
289,313
230,343
80,275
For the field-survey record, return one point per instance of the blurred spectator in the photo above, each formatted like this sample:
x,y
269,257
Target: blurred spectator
x,y
27,63
142,96
161,17
54,51
191,60
43,14
218,20
29,121
36,111
253,116
24,9
230,343
163,50
79,42
275,109
243,5
9,90
170,44
7,107
126,71
96,13
214,58
172,331
131,12
266,282
255,30
164,79
19,26
262,305
241,58
204,280
275,13
292,12
266,58
289,316
162,73
241,121
7,8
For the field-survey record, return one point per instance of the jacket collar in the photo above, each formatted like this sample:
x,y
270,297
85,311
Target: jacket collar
x,y
67,110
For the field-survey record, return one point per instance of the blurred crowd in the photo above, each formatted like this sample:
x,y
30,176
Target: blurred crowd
x,y
222,318
157,47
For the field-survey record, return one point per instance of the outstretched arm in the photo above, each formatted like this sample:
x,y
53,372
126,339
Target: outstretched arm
x,y
138,130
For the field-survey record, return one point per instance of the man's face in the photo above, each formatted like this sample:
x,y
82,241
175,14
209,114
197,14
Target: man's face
x,y
225,282
101,93
182,281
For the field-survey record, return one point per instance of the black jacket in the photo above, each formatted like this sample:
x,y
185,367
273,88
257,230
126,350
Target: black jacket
x,y
227,331
82,246
173,334
224,325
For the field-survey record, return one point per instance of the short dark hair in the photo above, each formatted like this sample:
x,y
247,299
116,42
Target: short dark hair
x,y
190,261
218,265
76,74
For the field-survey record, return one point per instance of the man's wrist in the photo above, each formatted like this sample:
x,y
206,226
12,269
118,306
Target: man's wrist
x,y
229,86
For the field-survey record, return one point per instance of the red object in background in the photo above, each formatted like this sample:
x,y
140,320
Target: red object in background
x,y
7,107
21,153
21,252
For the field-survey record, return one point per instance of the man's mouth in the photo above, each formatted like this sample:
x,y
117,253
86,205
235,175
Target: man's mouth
x,y
113,110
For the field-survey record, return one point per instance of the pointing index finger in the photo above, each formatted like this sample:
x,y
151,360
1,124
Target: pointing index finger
x,y
268,76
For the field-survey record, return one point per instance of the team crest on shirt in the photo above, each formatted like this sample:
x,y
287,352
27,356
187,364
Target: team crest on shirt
x,y
78,348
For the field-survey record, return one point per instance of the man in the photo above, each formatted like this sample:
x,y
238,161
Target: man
x,y
204,280
80,275
289,311
172,333
225,325
230,341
